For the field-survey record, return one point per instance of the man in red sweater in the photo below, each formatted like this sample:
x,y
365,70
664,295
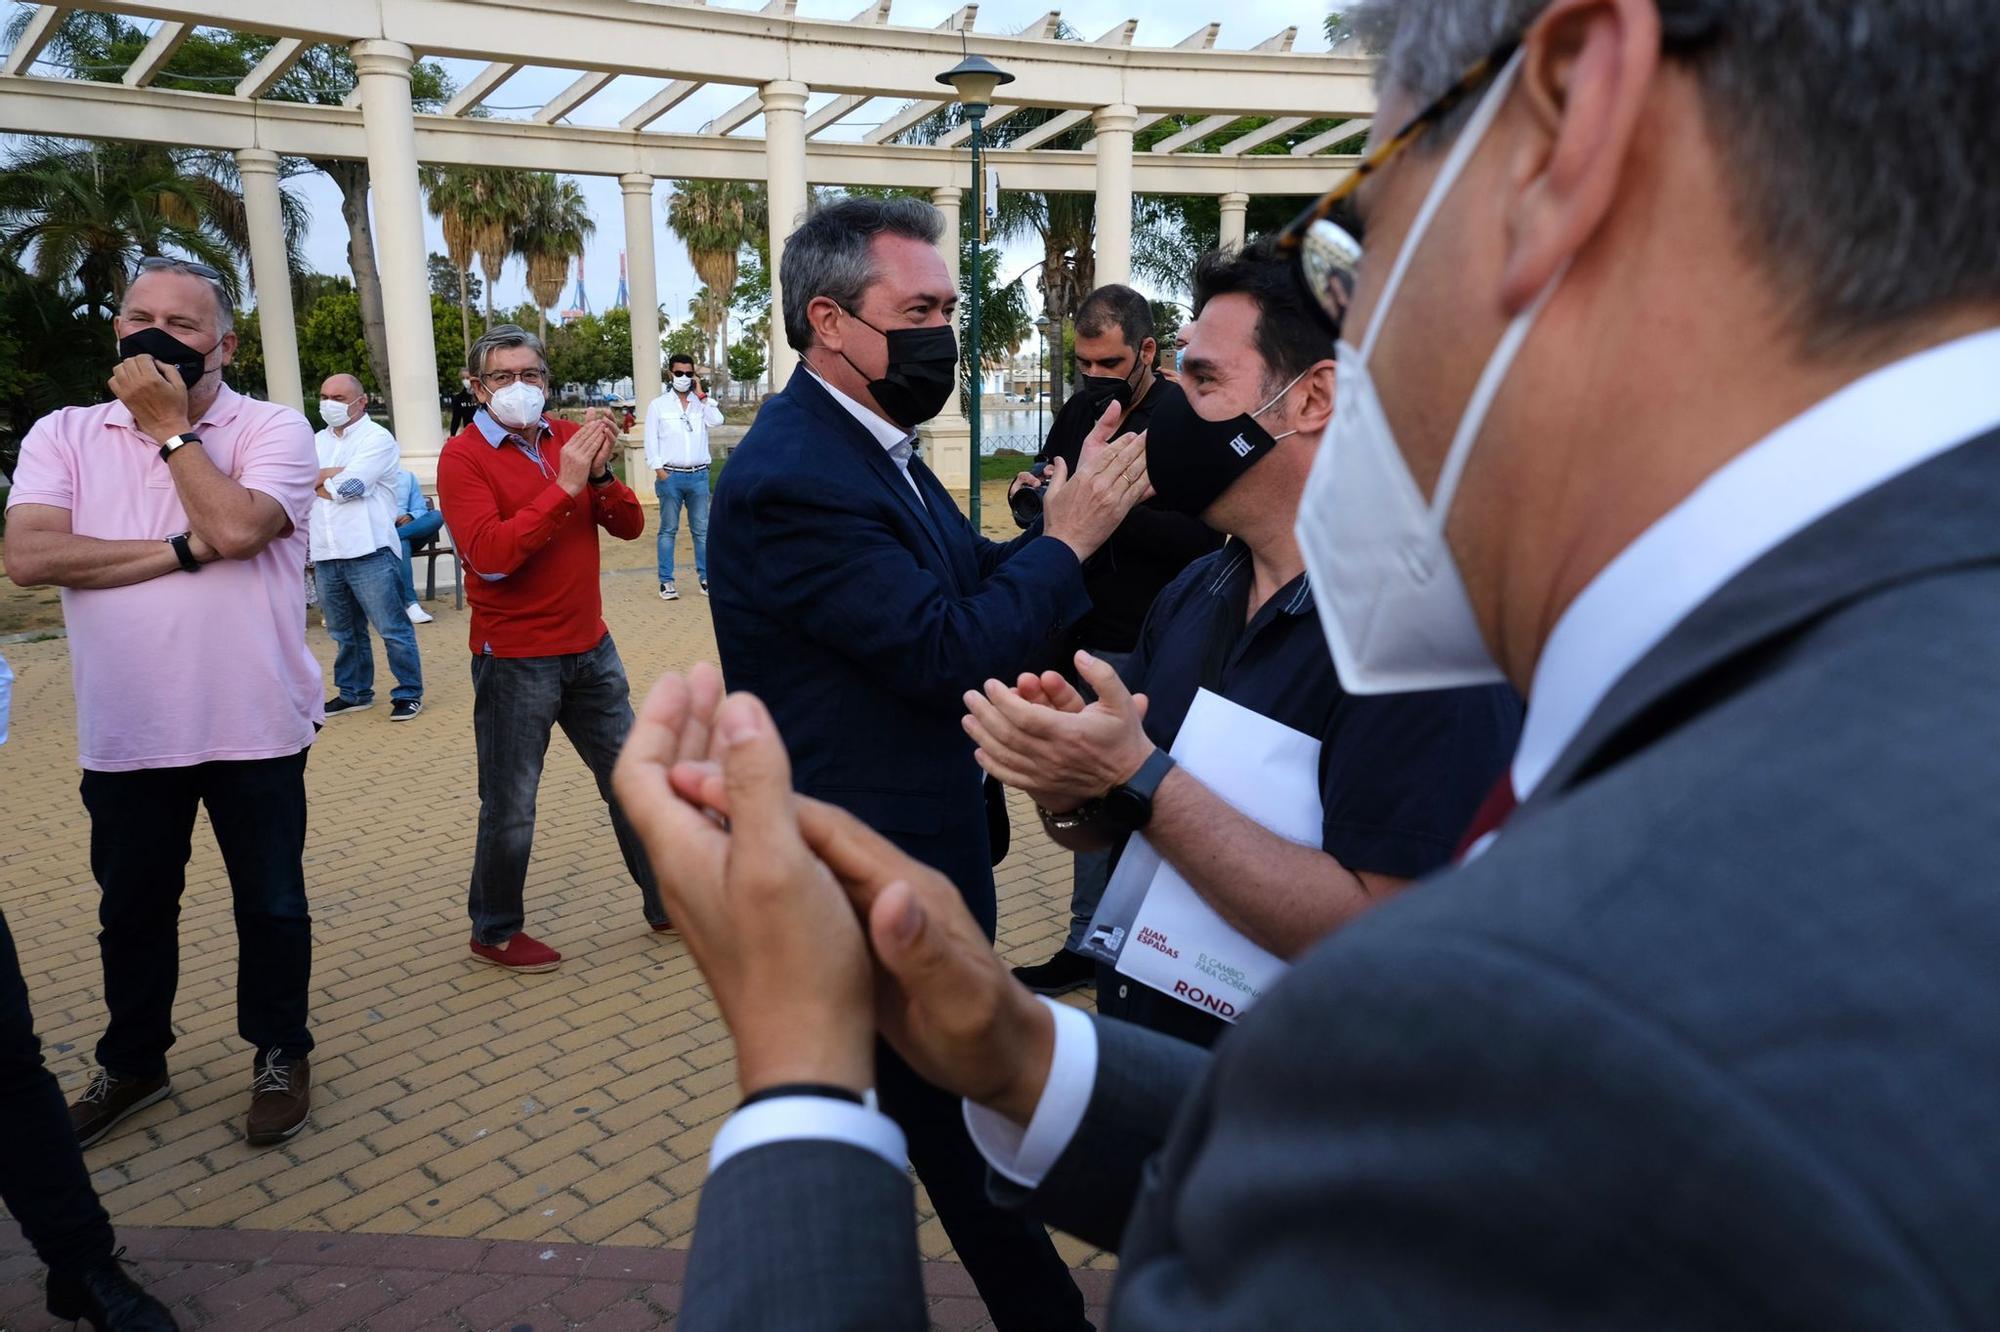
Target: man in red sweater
x,y
524,495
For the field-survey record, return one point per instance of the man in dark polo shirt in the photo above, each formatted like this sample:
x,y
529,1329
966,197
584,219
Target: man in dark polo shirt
x,y
1115,351
1400,775
524,494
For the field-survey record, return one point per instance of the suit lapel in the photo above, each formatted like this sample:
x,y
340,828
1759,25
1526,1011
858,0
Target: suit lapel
x,y
1940,515
872,455
948,524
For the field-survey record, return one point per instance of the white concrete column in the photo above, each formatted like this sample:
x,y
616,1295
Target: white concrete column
x,y
1235,208
271,276
644,302
785,162
1114,192
384,69
948,439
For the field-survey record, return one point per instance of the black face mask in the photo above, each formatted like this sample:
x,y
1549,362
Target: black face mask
x,y
1191,460
921,376
1102,389
168,350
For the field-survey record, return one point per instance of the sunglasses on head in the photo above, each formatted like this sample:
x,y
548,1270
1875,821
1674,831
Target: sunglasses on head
x,y
156,262
1322,238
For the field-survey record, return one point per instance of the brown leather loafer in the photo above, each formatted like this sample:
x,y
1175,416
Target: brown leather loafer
x,y
110,1098
280,1098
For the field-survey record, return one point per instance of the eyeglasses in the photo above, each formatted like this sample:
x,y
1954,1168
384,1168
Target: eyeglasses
x,y
500,379
153,263
1327,252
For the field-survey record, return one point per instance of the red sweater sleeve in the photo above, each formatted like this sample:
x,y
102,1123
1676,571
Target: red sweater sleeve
x,y
617,510
492,544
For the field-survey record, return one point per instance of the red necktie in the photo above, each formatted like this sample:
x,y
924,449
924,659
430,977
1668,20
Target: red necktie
x,y
1493,812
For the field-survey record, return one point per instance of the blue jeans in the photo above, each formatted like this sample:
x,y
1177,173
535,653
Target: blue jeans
x,y
515,703
414,533
675,489
354,594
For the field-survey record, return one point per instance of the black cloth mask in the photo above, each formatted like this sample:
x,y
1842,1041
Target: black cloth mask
x,y
921,376
1102,389
1191,460
168,350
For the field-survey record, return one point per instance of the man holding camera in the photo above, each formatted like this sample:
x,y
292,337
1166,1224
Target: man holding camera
x,y
1115,350
677,426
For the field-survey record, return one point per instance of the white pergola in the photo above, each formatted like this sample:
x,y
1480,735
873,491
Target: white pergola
x,y
781,61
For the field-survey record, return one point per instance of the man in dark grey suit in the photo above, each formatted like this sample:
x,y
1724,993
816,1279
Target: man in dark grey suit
x,y
1688,319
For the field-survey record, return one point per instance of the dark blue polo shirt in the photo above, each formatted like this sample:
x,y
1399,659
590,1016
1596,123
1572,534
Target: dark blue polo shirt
x,y
1400,775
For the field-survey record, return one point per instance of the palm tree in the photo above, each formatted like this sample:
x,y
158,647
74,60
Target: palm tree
x,y
710,314
553,224
456,196
90,212
716,220
100,46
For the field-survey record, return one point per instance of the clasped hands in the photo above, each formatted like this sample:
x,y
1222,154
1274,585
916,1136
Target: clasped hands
x,y
588,452
812,930
1042,738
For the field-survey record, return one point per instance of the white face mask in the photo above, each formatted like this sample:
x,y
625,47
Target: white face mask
x,y
682,383
1390,599
333,412
517,406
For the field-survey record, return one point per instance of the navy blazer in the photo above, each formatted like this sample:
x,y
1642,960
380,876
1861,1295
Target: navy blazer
x,y
861,615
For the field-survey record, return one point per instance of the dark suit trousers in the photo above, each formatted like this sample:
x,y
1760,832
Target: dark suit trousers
x,y
42,1176
1010,1258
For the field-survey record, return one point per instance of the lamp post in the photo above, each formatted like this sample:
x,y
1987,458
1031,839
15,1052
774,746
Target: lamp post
x,y
1041,352
974,79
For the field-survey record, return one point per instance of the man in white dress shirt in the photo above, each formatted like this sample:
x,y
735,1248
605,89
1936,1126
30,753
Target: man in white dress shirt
x,y
1669,389
357,554
677,426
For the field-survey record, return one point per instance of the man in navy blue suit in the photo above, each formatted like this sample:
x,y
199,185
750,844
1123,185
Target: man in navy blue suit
x,y
852,596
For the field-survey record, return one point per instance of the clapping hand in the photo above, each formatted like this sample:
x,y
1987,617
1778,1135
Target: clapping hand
x,y
1040,736
941,996
769,926
1082,511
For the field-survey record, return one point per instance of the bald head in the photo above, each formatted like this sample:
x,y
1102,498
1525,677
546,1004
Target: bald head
x,y
344,387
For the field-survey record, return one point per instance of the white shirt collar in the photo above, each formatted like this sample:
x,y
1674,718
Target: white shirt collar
x,y
887,433
1872,430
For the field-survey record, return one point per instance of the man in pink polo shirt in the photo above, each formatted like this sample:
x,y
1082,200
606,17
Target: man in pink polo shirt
x,y
174,520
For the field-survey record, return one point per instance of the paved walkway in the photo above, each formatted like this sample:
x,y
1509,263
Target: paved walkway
x,y
451,1101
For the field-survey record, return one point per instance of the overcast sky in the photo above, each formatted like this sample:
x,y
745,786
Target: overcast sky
x,y
1245,23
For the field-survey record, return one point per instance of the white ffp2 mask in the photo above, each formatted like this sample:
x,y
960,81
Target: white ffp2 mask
x,y
518,406
682,383
1390,599
333,412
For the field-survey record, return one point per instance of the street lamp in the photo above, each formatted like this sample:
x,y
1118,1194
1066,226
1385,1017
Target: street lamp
x,y
974,79
1041,352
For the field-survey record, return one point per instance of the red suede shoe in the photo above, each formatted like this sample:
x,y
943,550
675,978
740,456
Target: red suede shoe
x,y
520,953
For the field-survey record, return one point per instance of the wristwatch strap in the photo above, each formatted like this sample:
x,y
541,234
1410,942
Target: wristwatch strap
x,y
176,443
183,552
1152,772
605,478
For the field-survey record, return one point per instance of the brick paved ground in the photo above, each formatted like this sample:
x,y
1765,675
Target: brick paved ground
x,y
450,1100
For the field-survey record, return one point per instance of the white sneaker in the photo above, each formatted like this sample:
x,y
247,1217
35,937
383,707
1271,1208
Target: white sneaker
x,y
668,592
417,614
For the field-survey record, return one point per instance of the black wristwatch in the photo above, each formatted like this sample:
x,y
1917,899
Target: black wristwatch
x,y
606,479
1129,807
184,552
175,443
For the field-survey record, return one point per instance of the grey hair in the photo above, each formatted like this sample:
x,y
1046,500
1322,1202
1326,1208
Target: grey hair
x,y
1858,136
830,254
225,308
500,337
